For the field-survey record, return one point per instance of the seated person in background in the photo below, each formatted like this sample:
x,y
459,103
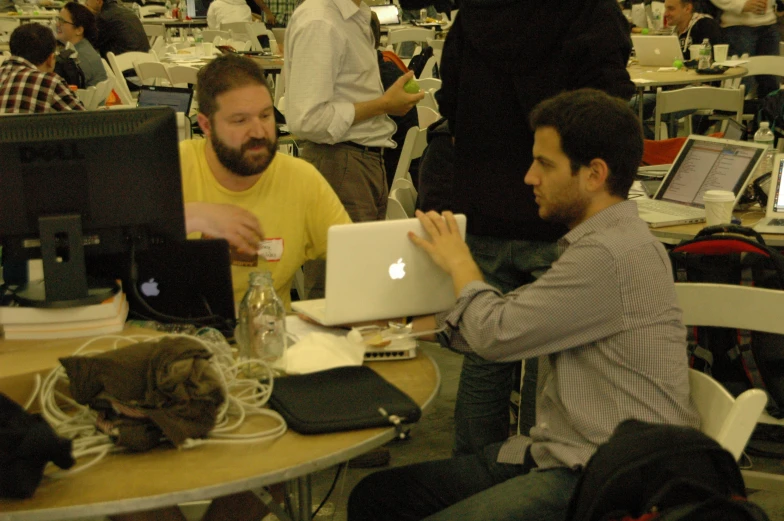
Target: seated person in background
x,y
692,28
119,29
27,79
390,72
604,322
76,25
226,12
272,208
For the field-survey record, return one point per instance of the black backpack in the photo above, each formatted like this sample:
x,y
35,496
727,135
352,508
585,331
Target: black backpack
x,y
651,471
67,67
418,62
739,359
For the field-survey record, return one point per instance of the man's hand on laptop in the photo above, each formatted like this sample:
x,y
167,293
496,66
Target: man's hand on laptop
x,y
447,248
225,221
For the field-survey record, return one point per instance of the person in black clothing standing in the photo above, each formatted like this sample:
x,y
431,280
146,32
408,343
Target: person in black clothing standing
x,y
500,59
119,29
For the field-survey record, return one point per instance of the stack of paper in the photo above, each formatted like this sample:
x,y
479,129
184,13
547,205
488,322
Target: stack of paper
x,y
27,323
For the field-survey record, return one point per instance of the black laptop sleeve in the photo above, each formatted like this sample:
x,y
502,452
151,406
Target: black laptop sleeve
x,y
341,399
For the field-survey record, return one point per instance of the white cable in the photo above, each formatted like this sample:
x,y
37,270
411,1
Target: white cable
x,y
243,397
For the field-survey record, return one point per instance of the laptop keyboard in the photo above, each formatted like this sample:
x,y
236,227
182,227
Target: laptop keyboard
x,y
671,209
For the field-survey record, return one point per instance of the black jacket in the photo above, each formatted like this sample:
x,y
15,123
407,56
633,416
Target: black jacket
x,y
501,58
119,30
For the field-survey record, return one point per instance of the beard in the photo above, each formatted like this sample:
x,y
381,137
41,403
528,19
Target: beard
x,y
234,159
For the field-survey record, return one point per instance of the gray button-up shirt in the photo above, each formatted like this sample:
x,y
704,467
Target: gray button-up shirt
x,y
607,329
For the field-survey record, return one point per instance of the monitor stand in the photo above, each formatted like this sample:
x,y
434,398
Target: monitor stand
x,y
65,281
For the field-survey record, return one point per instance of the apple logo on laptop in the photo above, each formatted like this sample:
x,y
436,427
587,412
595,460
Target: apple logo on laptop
x,y
656,52
397,270
150,288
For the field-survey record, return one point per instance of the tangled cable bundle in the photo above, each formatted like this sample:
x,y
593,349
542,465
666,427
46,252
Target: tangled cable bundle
x,y
243,397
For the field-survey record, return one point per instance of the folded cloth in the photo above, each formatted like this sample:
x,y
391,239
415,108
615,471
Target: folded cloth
x,y
27,444
168,382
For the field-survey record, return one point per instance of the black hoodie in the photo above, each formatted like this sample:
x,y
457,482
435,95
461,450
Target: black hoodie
x,y
501,58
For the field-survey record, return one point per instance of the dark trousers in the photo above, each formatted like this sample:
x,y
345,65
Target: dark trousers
x,y
359,179
466,488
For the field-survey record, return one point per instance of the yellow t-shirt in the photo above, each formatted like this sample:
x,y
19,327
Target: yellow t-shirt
x,y
293,203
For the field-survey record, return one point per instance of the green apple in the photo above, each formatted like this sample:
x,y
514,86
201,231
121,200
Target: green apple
x,y
677,64
411,86
645,30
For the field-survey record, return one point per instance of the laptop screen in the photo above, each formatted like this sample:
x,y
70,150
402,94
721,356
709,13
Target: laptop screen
x,y
387,14
177,98
735,131
777,193
197,8
708,164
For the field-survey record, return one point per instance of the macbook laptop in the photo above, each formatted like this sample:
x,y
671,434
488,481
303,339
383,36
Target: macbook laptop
x,y
178,98
773,222
704,163
656,51
179,281
387,14
735,131
374,272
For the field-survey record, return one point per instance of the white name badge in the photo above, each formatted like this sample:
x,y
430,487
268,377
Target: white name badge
x,y
271,250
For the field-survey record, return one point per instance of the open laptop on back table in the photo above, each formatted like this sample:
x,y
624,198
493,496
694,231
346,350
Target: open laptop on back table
x,y
703,164
374,272
387,14
178,98
773,222
656,51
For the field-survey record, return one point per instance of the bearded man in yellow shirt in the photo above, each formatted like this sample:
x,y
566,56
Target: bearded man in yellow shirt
x,y
273,209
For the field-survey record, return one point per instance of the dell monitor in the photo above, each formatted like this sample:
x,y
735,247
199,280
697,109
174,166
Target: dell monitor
x,y
75,184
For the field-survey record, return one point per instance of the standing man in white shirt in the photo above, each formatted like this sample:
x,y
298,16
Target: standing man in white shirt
x,y
336,103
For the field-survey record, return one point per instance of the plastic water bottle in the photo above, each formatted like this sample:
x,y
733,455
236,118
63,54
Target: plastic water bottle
x,y
137,10
261,331
705,55
168,7
765,136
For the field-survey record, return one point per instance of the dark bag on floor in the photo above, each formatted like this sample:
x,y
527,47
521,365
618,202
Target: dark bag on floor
x,y
342,399
418,62
738,359
67,67
651,471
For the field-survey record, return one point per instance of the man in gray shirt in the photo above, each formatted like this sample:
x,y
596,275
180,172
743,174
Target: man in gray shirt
x,y
603,322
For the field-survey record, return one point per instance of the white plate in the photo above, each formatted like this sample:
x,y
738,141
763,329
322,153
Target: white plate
x,y
183,57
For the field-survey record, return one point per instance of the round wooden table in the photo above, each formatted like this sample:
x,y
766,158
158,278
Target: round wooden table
x,y
652,77
683,232
163,477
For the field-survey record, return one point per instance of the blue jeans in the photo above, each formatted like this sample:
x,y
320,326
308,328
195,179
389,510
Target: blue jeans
x,y
756,41
482,403
468,488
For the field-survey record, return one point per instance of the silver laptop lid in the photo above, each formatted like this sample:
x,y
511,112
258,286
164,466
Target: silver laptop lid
x,y
387,14
374,271
657,50
706,163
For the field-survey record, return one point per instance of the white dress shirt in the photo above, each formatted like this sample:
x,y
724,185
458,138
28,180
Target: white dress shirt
x,y
226,12
331,64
